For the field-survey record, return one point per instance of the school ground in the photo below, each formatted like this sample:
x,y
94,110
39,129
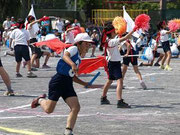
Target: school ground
x,y
155,111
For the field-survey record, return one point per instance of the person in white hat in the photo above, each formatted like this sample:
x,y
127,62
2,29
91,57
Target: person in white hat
x,y
61,84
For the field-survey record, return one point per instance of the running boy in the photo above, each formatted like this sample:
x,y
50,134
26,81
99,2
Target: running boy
x,y
61,84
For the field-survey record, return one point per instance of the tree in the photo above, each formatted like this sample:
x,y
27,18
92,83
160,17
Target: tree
x,y
9,8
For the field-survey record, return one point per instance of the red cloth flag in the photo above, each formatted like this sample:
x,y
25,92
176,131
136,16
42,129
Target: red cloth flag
x,y
90,65
54,44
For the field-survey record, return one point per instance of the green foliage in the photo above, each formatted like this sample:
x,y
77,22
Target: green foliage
x,y
171,5
9,8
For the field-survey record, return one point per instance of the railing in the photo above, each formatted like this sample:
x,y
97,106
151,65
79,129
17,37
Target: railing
x,y
99,16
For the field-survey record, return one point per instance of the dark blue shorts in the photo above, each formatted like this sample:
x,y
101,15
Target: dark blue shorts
x,y
21,51
114,70
156,54
36,50
61,86
0,63
166,46
132,60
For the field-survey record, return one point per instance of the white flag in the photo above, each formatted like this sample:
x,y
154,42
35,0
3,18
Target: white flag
x,y
35,26
130,22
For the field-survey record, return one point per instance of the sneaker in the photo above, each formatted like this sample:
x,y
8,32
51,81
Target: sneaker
x,y
140,64
168,68
157,64
143,85
161,66
122,104
34,69
104,101
18,75
35,103
8,93
68,131
31,75
46,66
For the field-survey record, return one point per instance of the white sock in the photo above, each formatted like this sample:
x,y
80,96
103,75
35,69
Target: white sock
x,y
140,81
39,101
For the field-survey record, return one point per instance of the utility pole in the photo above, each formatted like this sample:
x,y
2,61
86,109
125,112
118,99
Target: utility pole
x,y
75,5
163,9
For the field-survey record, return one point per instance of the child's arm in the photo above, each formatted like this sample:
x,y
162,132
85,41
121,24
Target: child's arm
x,y
69,29
128,46
126,37
68,60
32,23
79,81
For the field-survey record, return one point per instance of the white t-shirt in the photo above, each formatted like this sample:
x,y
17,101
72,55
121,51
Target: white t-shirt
x,y
112,50
59,26
72,50
6,24
69,37
31,31
20,36
163,36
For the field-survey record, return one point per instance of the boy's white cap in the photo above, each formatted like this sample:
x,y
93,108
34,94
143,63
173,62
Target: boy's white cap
x,y
82,37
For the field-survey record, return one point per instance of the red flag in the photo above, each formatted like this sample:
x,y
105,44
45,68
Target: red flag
x,y
54,44
90,65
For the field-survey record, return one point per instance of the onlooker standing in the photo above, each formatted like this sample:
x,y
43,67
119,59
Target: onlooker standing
x,y
12,20
7,23
76,23
59,25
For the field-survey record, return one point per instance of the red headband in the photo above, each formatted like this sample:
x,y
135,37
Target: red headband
x,y
108,32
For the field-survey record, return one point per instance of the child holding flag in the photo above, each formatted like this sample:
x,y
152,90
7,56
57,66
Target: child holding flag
x,y
114,64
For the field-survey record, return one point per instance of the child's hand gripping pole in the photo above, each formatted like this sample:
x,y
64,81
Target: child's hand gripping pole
x,y
94,78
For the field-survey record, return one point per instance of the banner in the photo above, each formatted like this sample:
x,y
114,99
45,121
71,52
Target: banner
x,y
35,26
130,23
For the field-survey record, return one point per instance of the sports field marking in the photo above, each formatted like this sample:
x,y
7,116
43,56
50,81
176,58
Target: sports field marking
x,y
18,107
45,116
145,75
156,113
18,131
87,91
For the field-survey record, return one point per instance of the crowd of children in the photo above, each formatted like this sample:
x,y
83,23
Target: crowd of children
x,y
22,36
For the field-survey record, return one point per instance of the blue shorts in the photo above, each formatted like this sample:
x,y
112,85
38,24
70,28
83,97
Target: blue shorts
x,y
166,46
114,70
36,50
21,51
61,86
156,54
0,63
132,60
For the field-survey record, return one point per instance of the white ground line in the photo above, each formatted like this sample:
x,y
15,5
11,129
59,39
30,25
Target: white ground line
x,y
24,106
157,113
87,91
14,108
